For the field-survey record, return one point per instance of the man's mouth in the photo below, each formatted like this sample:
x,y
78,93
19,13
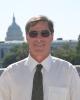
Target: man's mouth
x,y
39,45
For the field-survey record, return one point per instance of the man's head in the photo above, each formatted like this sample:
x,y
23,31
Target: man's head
x,y
39,35
34,20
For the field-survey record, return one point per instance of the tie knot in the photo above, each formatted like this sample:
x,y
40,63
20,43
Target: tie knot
x,y
39,67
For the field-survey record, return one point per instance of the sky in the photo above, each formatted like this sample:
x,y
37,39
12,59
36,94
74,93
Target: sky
x,y
65,15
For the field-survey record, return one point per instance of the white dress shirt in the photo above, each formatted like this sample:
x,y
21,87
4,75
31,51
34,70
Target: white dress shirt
x,y
60,80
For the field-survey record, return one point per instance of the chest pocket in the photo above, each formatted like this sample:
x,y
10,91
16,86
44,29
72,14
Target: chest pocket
x,y
57,93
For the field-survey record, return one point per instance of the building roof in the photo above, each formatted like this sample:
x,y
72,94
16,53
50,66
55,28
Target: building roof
x,y
14,32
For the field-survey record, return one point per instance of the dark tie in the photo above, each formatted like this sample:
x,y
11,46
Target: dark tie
x,y
37,90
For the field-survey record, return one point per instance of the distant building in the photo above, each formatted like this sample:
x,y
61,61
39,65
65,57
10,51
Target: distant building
x,y
60,43
14,32
6,46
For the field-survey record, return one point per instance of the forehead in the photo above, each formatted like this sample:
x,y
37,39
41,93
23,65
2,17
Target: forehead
x,y
39,25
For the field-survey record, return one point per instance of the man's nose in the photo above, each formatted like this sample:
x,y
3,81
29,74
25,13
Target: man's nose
x,y
39,35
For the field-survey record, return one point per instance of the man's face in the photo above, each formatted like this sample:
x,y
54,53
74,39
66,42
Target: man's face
x,y
39,45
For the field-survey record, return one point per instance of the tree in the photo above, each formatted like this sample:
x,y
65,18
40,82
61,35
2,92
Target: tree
x,y
65,52
17,53
9,59
77,57
78,46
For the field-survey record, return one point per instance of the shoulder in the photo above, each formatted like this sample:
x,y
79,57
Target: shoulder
x,y
63,64
15,67
65,67
60,61
17,64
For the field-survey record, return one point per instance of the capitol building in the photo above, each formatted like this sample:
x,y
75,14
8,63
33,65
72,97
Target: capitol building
x,y
14,32
14,36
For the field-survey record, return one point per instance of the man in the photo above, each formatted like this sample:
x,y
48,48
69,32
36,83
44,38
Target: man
x,y
56,80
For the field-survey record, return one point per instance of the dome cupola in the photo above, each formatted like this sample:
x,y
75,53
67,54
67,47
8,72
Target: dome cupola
x,y
14,32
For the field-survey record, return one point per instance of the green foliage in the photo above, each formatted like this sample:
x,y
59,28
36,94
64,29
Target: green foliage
x,y
9,59
0,63
78,46
17,53
67,53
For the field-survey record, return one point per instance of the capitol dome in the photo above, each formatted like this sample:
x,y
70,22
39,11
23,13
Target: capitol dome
x,y
14,32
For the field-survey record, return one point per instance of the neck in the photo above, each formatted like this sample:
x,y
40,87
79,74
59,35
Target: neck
x,y
39,58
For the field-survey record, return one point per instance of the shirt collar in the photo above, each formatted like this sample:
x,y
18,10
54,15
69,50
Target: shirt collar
x,y
31,62
47,63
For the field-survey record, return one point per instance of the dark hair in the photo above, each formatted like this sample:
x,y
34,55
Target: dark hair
x,y
35,20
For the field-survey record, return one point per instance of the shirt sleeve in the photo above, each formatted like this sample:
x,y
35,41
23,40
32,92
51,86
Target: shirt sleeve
x,y
75,85
4,87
